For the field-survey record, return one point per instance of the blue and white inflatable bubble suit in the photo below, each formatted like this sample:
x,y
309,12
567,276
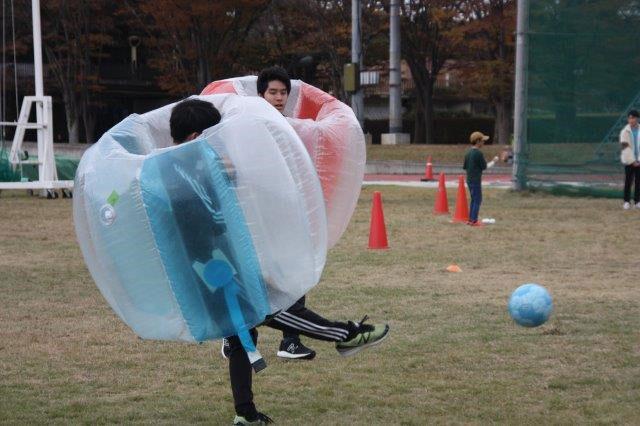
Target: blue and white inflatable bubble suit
x,y
205,239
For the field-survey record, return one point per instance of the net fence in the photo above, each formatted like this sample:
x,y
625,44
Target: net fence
x,y
583,77
65,165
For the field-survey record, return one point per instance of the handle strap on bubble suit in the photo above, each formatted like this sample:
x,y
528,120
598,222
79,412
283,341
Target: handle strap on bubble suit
x,y
218,273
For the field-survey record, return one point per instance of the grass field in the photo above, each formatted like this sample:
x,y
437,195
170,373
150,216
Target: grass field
x,y
453,355
441,154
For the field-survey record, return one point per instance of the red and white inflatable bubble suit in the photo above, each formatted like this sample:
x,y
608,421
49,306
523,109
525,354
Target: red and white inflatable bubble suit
x,y
333,137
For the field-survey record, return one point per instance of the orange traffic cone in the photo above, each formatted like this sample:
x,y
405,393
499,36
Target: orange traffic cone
x,y
377,231
428,171
442,204
462,208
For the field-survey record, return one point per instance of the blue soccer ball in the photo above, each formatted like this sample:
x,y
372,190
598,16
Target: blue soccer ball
x,y
530,305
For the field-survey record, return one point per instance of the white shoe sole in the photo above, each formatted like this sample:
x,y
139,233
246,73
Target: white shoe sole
x,y
355,350
288,355
222,352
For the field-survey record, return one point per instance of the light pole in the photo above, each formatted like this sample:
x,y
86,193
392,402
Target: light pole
x,y
357,98
520,101
395,135
395,101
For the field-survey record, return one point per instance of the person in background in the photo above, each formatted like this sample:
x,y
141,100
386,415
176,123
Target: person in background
x,y
475,164
630,157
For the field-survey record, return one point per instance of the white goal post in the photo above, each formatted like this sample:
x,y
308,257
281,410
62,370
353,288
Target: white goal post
x,y
47,181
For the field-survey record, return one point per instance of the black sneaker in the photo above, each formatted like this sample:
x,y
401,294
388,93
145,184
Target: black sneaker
x,y
225,350
258,419
294,349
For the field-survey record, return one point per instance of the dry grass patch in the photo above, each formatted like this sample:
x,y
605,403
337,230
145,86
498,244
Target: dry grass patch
x,y
453,356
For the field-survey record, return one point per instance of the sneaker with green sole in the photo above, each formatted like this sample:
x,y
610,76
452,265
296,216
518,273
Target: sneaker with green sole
x,y
259,419
368,335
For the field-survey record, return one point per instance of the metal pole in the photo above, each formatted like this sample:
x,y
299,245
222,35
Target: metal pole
x,y
395,101
3,89
44,169
37,47
357,98
520,101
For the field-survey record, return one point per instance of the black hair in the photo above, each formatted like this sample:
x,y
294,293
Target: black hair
x,y
270,74
192,116
634,113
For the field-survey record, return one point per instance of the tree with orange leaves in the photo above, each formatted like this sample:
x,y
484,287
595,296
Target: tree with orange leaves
x,y
488,37
74,36
194,42
430,34
316,33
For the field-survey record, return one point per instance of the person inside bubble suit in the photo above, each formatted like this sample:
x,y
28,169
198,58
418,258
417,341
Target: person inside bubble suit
x,y
274,86
188,120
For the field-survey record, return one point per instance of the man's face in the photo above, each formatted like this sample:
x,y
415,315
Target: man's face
x,y
633,121
276,94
